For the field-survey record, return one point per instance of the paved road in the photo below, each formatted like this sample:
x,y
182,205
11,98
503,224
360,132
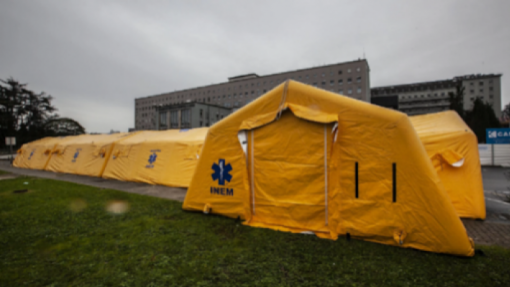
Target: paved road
x,y
496,183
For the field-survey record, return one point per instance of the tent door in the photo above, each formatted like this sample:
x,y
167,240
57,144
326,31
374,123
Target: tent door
x,y
288,173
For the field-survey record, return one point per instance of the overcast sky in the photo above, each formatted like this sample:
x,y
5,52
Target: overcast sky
x,y
95,57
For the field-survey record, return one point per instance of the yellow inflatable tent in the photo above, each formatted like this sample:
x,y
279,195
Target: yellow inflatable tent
x,y
36,154
453,149
157,157
83,154
301,159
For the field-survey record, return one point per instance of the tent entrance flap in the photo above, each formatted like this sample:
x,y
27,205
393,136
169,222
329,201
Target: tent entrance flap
x,y
288,166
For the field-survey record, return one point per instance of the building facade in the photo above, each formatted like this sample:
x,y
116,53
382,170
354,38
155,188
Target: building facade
x,y
350,78
188,115
430,97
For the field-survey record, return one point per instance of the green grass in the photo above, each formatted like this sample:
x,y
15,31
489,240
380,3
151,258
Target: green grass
x,y
59,234
3,172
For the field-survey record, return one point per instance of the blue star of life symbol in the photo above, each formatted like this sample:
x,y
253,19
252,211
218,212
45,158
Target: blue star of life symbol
x,y
221,172
31,154
152,158
76,155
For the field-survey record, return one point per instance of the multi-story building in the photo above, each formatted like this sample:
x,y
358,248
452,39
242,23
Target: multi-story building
x,y
189,115
430,97
350,78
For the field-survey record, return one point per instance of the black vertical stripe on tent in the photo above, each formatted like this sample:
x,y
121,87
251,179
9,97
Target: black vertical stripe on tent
x,y
394,182
356,178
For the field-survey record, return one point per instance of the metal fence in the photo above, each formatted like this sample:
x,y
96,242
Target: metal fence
x,y
494,154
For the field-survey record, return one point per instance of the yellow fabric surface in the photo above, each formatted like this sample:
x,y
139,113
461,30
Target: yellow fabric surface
x,y
450,156
157,157
447,139
36,154
281,181
84,154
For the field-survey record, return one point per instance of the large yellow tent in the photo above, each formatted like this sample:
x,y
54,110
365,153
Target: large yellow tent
x,y
84,154
301,159
453,149
36,154
157,157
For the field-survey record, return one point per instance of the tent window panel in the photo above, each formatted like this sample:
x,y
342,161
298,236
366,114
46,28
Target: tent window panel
x,y
394,182
356,179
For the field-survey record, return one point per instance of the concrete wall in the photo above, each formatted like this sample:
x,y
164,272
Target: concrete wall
x,y
201,115
488,89
237,93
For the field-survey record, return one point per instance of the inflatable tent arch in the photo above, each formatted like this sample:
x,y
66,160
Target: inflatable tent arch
x,y
301,159
84,154
37,154
157,157
453,149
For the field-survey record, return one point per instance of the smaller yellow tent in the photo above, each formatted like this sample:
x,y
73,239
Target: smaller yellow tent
x,y
83,154
36,154
157,157
453,149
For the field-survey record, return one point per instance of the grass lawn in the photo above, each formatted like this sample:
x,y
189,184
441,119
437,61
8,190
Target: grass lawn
x,y
3,172
61,234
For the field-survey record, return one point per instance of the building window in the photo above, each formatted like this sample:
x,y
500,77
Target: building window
x,y
490,96
174,119
340,91
339,72
358,69
349,91
349,81
472,91
359,91
162,120
186,118
490,88
358,79
331,82
481,83
340,82
481,90
348,70
323,83
201,112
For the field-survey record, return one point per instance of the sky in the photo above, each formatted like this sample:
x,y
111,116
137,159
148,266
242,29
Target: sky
x,y
96,56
